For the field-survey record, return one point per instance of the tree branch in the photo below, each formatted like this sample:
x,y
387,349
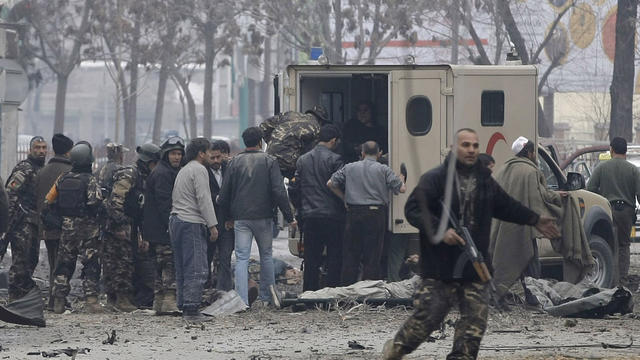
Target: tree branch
x,y
484,58
554,24
543,79
513,31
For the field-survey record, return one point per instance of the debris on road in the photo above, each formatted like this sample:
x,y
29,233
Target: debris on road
x,y
72,352
110,338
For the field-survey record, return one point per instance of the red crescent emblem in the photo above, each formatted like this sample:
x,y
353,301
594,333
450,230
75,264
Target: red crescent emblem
x,y
497,136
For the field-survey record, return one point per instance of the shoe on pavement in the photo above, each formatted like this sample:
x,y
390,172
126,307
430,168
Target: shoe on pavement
x,y
92,305
158,298
124,304
169,304
390,352
194,316
58,305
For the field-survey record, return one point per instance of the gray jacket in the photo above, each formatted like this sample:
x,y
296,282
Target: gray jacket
x,y
252,186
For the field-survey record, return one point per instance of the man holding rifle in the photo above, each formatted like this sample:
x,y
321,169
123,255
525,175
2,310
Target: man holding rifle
x,y
476,199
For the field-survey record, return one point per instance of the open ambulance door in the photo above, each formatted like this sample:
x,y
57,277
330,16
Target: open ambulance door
x,y
417,124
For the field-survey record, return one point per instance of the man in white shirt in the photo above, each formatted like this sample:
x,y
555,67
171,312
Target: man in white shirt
x,y
192,220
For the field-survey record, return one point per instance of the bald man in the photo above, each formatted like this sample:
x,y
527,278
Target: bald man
x,y
364,186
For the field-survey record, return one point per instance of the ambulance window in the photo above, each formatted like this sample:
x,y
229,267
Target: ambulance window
x,y
419,115
492,108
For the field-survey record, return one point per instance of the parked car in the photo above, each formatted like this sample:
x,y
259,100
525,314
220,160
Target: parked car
x,y
585,161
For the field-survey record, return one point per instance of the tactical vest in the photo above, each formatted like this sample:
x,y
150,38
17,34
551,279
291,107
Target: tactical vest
x,y
134,201
72,194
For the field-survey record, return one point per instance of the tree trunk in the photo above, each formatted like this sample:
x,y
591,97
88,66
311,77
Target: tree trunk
x,y
337,39
191,104
267,83
132,108
61,98
455,30
124,97
513,31
544,128
162,87
251,103
209,57
623,71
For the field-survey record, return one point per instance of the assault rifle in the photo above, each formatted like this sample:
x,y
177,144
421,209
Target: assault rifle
x,y
4,240
471,254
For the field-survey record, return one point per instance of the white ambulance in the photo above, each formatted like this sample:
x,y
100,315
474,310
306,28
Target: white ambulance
x,y
422,106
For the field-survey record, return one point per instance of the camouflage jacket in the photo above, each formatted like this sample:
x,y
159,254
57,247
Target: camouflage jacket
x,y
288,136
90,201
104,175
126,200
21,191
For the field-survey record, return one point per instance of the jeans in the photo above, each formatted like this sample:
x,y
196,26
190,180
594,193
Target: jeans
x,y
189,242
245,230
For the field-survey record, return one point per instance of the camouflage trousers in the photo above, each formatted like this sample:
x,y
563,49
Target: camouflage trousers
x,y
432,303
25,250
80,236
117,264
165,278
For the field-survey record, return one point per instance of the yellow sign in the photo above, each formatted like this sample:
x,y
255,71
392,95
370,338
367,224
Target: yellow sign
x,y
604,156
582,25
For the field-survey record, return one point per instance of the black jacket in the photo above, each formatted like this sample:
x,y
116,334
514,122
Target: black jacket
x,y
45,179
313,170
251,187
438,261
157,203
215,190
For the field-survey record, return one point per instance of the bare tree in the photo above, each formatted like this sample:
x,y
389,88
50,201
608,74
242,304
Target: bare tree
x,y
60,29
623,71
372,24
216,23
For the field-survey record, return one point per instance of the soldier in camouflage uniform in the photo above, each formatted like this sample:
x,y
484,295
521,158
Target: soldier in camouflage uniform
x,y
23,225
76,197
292,134
477,198
124,217
157,208
115,156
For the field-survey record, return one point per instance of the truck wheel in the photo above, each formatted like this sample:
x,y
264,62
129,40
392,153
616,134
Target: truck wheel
x,y
602,274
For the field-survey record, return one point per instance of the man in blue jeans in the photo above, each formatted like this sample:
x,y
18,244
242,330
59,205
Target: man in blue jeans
x,y
251,187
192,221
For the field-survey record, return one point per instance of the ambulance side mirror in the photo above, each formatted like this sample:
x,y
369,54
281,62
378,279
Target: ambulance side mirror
x,y
575,181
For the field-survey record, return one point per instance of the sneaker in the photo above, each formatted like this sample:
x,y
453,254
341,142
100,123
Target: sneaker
x,y
389,351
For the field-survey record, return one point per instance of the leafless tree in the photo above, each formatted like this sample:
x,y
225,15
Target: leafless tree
x,y
623,71
60,29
